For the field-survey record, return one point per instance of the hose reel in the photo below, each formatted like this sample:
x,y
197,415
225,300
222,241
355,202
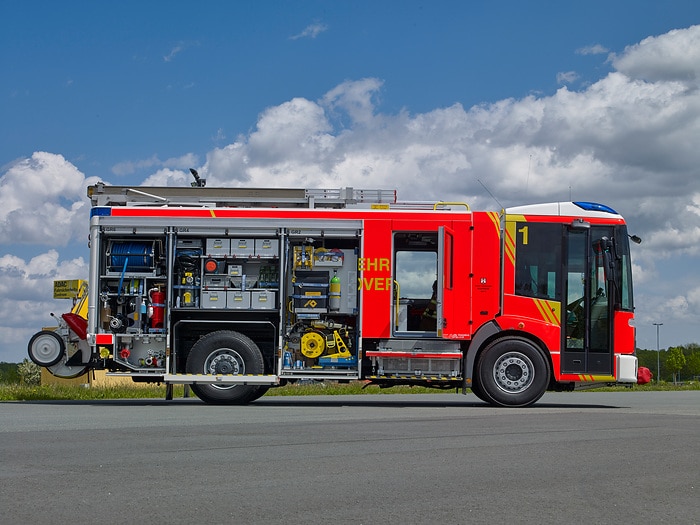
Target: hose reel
x,y
312,344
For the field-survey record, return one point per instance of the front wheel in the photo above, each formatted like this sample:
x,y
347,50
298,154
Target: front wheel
x,y
512,372
220,353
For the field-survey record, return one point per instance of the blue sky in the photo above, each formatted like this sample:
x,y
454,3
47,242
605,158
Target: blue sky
x,y
537,100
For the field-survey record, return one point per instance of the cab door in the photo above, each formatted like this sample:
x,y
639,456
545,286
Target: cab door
x,y
430,296
587,344
415,278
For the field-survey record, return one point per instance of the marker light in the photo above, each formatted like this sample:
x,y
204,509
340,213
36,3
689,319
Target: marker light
x,y
101,211
594,206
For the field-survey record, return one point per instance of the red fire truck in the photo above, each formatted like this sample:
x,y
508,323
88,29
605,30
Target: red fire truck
x,y
234,291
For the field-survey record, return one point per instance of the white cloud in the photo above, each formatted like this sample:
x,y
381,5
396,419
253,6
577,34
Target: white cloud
x,y
33,279
673,56
168,177
357,99
27,289
43,201
567,77
179,48
176,50
311,31
595,49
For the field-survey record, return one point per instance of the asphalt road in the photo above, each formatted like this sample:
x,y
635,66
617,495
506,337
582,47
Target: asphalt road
x,y
628,457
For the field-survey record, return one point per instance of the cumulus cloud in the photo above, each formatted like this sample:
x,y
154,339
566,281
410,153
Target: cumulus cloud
x,y
168,177
43,201
673,56
27,289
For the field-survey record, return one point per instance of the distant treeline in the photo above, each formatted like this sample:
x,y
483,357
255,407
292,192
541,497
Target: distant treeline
x,y
9,373
678,363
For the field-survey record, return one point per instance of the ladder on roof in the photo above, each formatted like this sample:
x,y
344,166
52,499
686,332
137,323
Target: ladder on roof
x,y
102,194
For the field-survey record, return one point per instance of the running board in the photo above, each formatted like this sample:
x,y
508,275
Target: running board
x,y
225,379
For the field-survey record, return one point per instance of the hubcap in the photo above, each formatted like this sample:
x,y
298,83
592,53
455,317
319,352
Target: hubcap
x,y
46,348
224,361
513,372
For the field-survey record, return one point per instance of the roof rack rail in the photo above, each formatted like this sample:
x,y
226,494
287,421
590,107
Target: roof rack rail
x,y
102,194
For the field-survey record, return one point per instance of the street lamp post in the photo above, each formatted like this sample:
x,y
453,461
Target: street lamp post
x,y
658,353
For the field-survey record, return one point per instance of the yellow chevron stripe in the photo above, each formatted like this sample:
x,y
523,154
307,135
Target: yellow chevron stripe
x,y
510,242
496,222
550,311
544,310
511,223
589,378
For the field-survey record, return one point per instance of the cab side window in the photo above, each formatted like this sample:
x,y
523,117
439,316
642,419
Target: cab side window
x,y
538,260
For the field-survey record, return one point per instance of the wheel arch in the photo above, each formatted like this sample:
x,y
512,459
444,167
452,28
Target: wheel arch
x,y
225,352
186,333
491,332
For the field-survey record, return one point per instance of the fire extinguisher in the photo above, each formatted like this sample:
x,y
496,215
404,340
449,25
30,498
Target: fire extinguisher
x,y
157,313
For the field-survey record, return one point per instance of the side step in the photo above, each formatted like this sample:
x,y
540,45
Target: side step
x,y
417,358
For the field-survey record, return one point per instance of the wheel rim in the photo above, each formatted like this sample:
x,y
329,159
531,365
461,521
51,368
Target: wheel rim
x,y
47,349
513,372
224,361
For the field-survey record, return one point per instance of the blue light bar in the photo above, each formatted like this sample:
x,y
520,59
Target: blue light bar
x,y
100,211
594,206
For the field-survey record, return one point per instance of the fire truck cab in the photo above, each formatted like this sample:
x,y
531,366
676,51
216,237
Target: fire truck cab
x,y
234,291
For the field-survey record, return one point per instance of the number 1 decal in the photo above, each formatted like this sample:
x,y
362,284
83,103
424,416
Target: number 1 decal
x,y
524,230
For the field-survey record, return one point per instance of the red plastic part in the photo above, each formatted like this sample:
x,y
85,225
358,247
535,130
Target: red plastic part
x,y
644,375
76,323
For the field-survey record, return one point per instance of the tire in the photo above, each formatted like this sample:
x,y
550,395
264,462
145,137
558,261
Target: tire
x,y
260,391
225,352
476,390
512,372
46,348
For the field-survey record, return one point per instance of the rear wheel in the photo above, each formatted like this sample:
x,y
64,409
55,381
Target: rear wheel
x,y
259,392
46,348
512,372
225,352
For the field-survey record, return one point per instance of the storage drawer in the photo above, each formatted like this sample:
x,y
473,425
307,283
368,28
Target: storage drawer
x,y
266,248
235,270
262,299
242,247
220,247
238,299
213,299
215,281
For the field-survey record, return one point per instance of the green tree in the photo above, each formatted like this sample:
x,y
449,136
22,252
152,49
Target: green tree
x,y
29,372
692,363
647,358
8,373
675,360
